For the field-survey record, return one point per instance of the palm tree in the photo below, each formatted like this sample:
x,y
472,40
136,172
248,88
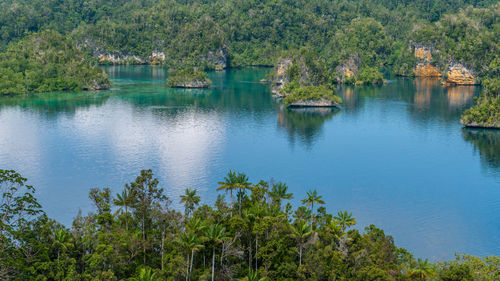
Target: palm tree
x,y
242,184
300,232
60,239
215,234
424,270
230,183
123,200
192,243
253,276
312,198
196,225
190,200
344,219
146,275
279,192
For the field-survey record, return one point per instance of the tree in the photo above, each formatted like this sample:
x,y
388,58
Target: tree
x,y
190,200
215,234
146,275
423,271
192,243
123,200
230,183
279,192
313,198
300,232
344,219
253,276
146,196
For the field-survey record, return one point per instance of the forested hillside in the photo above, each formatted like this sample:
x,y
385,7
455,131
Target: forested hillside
x,y
238,33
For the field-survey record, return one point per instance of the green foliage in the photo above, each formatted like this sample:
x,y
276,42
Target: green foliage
x,y
309,93
263,242
189,75
469,37
486,112
369,75
47,61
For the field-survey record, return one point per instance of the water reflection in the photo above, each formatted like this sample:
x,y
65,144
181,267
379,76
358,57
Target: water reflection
x,y
423,90
304,123
50,105
487,142
458,96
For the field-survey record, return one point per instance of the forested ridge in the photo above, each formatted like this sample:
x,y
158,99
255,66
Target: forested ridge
x,y
251,232
255,32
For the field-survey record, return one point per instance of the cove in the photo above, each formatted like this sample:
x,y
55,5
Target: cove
x,y
394,155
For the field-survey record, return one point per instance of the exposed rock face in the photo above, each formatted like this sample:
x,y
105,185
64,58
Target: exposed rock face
x,y
95,86
348,69
314,103
108,58
157,57
424,68
281,79
193,84
218,58
458,74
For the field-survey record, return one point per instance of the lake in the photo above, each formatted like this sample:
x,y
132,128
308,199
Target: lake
x,y
394,155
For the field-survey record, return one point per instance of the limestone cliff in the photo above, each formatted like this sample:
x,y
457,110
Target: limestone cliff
x,y
347,70
458,74
217,58
424,67
110,58
281,77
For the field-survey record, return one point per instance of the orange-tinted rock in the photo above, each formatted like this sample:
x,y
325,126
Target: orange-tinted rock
x,y
423,53
460,75
426,70
348,69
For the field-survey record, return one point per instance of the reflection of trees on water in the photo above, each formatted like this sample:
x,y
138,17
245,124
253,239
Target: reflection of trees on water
x,y
487,142
304,123
51,105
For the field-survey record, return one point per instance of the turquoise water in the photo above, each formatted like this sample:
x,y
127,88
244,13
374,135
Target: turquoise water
x,y
393,155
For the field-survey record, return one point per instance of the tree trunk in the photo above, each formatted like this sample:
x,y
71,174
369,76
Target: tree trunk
x,y
213,264
300,254
256,251
250,254
162,250
126,218
192,256
143,240
187,268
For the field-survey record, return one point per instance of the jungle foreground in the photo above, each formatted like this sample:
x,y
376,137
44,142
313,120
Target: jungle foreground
x,y
254,234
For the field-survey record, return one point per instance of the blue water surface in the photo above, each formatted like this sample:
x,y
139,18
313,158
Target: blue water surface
x,y
394,155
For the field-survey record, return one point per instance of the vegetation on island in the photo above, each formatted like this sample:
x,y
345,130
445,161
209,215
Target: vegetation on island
x,y
255,235
302,77
486,112
188,78
297,94
48,61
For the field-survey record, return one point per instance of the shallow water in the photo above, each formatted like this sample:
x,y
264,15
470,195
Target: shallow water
x,y
393,155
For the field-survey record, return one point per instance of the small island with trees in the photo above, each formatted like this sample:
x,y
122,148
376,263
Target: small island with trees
x,y
486,112
302,80
188,77
48,61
